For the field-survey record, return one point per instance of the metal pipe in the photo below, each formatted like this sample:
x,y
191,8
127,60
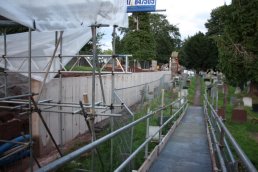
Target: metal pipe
x,y
12,108
66,56
68,105
248,164
229,152
79,112
75,63
5,63
29,98
161,113
112,93
125,106
64,72
222,163
94,49
101,83
122,166
94,42
126,64
45,125
212,153
120,65
59,162
105,63
147,135
137,85
16,97
60,97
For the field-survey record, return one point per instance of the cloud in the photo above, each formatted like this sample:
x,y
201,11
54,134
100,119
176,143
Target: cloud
x,y
190,16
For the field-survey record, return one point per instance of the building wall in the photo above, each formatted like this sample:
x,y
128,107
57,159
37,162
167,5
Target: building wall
x,y
66,127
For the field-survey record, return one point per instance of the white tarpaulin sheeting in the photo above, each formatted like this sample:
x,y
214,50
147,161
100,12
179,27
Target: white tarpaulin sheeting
x,y
71,16
53,15
43,44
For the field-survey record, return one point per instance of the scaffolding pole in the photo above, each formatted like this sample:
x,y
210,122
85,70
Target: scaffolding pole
x,y
60,97
112,94
30,92
94,49
5,64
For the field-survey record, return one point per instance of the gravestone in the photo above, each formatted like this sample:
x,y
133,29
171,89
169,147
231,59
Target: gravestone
x,y
239,115
238,90
236,102
221,113
247,101
152,131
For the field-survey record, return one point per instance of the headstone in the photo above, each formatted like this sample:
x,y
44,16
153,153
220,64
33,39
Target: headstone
x,y
239,115
235,101
220,87
207,81
221,113
247,101
184,92
153,65
152,131
238,90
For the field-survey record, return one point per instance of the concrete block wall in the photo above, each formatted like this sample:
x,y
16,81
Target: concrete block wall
x,y
66,127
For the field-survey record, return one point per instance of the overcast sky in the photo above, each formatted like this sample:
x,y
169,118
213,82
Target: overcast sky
x,y
189,16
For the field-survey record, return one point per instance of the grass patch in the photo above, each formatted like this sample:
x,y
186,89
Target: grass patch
x,y
84,162
80,68
191,91
243,133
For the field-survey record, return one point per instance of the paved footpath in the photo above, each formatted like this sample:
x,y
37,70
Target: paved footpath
x,y
187,149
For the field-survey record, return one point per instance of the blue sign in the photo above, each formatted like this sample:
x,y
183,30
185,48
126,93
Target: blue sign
x,y
141,5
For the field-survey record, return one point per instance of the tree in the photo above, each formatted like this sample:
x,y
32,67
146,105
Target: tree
x,y
108,51
216,23
154,38
199,53
87,48
138,41
167,37
237,40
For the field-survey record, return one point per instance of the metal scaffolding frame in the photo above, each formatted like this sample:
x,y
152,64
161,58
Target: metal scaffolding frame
x,y
89,58
30,102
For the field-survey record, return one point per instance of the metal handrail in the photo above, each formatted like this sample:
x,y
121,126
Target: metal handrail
x,y
128,160
67,158
245,160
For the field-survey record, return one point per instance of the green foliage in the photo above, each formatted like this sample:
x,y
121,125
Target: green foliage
x,y
140,43
87,48
152,38
84,161
79,68
199,52
167,37
235,29
217,21
108,51
191,90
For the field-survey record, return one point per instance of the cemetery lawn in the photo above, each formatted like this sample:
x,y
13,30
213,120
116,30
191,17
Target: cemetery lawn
x,y
246,134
